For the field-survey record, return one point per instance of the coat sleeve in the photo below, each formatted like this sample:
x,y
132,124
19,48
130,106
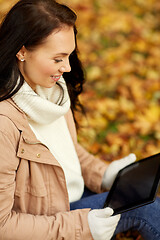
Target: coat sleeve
x,y
92,168
18,226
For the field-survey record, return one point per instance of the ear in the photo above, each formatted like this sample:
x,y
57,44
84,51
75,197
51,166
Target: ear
x,y
21,54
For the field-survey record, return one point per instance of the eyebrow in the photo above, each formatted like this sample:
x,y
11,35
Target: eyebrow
x,y
64,54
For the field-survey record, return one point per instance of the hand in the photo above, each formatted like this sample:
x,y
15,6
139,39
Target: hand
x,y
102,225
114,167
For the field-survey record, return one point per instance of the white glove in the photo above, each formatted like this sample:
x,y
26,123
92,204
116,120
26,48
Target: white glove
x,y
102,225
113,168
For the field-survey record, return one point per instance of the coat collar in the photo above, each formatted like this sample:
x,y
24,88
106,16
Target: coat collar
x,y
18,117
29,146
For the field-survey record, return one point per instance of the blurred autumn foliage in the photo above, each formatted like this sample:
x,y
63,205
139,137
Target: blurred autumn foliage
x,y
119,44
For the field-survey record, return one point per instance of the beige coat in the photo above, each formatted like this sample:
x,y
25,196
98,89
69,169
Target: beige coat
x,y
34,201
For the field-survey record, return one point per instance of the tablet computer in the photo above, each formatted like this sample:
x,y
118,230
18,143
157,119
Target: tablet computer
x,y
135,185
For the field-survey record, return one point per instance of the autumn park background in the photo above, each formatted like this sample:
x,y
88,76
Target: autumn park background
x,y
119,45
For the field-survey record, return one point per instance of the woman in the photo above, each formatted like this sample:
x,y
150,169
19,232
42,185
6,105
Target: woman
x,y
43,169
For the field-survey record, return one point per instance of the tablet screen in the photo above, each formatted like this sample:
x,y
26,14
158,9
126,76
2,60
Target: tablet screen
x,y
135,185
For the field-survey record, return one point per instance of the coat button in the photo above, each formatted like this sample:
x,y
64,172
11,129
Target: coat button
x,y
22,150
38,155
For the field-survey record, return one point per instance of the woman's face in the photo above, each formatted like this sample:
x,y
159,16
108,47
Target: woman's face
x,y
46,63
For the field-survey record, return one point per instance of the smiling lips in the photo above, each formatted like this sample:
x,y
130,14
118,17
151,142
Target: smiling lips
x,y
55,78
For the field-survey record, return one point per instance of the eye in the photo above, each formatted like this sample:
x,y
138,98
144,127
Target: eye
x,y
58,60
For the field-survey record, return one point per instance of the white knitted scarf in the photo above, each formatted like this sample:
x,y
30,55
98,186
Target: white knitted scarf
x,y
45,110
46,104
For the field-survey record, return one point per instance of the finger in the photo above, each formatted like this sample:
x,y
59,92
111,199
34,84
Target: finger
x,y
128,160
132,157
112,221
104,213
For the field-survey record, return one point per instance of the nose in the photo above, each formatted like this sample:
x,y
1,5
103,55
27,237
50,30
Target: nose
x,y
66,67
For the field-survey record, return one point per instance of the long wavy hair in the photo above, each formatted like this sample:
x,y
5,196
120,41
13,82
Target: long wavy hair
x,y
27,24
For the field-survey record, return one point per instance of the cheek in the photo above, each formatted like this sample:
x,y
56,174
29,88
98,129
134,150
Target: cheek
x,y
47,67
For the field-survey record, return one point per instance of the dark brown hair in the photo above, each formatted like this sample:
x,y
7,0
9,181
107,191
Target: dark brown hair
x,y
27,24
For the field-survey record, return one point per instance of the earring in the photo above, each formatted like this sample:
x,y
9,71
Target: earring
x,y
22,60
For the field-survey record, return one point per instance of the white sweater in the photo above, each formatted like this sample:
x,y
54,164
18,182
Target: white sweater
x,y
46,119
